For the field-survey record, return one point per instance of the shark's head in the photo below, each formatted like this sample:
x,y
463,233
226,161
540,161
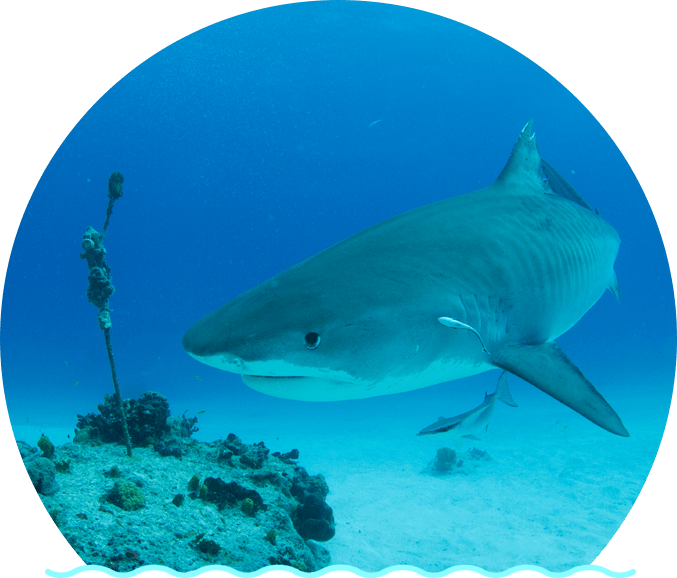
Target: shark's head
x,y
326,334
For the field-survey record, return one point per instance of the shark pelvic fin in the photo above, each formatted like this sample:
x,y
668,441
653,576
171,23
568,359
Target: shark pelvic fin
x,y
615,287
548,368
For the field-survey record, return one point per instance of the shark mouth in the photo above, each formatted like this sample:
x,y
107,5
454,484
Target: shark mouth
x,y
303,388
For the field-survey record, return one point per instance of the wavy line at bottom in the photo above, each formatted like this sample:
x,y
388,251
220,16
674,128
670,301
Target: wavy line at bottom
x,y
343,568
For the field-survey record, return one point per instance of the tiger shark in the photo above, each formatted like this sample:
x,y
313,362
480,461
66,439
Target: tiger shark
x,y
478,281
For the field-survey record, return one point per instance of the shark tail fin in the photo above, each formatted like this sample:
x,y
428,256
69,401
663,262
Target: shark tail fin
x,y
503,392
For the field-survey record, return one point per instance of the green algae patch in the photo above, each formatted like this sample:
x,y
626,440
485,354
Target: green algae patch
x,y
126,495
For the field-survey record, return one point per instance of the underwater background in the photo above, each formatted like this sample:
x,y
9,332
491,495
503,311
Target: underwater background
x,y
252,145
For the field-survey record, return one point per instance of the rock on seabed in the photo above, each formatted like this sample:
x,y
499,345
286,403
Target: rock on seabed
x,y
202,527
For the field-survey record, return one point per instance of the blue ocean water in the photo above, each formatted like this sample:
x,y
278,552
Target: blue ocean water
x,y
253,144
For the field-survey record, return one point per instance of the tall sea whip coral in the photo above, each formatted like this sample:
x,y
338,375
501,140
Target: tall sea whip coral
x,y
100,287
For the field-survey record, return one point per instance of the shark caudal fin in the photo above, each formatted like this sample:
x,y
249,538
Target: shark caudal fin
x,y
548,368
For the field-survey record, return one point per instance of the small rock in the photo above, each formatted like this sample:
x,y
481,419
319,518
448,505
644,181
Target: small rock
x,y
446,460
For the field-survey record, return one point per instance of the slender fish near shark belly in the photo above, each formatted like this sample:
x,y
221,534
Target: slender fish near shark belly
x,y
479,281
467,424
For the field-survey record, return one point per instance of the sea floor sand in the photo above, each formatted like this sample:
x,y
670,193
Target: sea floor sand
x,y
553,493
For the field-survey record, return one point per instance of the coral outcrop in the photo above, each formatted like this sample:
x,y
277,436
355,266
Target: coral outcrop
x,y
180,502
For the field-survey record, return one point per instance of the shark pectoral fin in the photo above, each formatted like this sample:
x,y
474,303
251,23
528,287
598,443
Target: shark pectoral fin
x,y
548,368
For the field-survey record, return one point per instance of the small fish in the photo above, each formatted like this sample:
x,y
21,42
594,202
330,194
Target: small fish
x,y
26,420
375,122
203,411
471,422
455,323
184,413
72,386
198,377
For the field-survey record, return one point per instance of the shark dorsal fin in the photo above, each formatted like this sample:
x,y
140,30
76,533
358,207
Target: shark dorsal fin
x,y
525,166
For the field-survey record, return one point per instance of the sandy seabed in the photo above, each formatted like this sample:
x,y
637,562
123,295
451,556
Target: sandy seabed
x,y
552,493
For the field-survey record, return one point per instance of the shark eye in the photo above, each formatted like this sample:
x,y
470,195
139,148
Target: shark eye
x,y
311,340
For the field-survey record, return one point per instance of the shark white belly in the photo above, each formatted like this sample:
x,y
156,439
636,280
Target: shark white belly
x,y
517,263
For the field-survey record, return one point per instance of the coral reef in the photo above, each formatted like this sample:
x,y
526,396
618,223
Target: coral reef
x,y
314,519
182,427
194,483
46,446
146,419
232,494
243,507
42,473
126,495
247,506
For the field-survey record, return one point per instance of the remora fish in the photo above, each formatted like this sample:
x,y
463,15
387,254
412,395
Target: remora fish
x,y
515,264
471,422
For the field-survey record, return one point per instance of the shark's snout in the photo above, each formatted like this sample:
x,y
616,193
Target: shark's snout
x,y
208,343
